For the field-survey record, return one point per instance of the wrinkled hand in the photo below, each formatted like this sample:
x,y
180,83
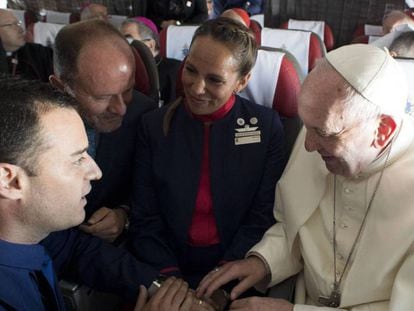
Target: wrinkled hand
x,y
106,223
248,271
261,304
173,295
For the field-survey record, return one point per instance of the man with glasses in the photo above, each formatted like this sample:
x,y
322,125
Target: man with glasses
x,y
27,60
143,29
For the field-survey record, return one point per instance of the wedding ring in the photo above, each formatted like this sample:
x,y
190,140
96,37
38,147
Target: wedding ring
x,y
216,269
200,302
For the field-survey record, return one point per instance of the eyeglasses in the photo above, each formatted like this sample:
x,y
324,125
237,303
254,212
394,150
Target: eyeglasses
x,y
17,23
129,37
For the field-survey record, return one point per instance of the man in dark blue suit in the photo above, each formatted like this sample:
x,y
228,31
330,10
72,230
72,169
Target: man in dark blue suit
x,y
45,174
95,64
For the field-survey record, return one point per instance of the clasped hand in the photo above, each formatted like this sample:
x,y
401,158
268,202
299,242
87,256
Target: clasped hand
x,y
173,295
249,272
106,223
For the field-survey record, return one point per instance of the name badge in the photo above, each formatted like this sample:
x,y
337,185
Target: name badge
x,y
247,133
247,140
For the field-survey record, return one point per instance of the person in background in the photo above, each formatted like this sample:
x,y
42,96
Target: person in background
x,y
238,15
403,45
343,223
143,29
94,63
210,8
176,12
206,165
393,19
253,7
94,11
27,60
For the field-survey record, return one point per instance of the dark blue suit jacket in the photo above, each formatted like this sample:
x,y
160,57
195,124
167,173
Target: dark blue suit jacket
x,y
96,263
115,157
76,256
167,170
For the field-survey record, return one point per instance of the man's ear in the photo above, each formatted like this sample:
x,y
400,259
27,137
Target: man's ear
x,y
11,181
151,44
242,83
385,131
393,53
56,82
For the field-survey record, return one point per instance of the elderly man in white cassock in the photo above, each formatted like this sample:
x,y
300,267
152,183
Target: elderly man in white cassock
x,y
344,204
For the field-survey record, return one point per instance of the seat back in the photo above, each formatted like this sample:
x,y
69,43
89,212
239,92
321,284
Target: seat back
x,y
322,29
407,65
74,17
117,20
367,30
55,17
77,297
175,41
366,33
258,18
44,33
28,19
304,45
146,73
256,28
275,83
365,39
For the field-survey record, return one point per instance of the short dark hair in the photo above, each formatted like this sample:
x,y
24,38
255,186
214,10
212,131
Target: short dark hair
x,y
72,38
22,104
403,45
235,36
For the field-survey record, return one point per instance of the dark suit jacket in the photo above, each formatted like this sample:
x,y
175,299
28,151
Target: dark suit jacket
x,y
168,69
3,60
91,261
167,171
251,6
35,62
161,10
115,156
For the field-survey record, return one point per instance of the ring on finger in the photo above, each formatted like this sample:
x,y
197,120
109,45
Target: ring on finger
x,y
200,302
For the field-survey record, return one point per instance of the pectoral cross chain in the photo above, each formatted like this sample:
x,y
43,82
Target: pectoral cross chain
x,y
333,301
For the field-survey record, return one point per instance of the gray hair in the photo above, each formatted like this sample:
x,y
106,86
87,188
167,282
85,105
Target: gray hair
x,y
403,45
144,31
